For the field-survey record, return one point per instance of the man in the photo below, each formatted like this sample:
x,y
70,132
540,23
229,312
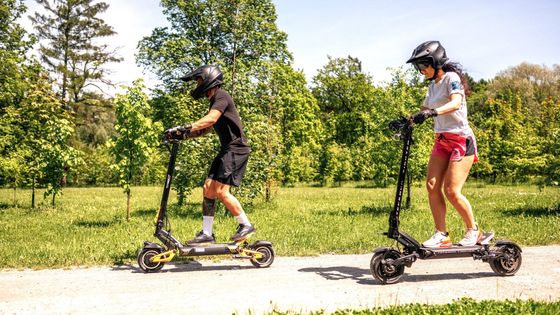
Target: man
x,y
229,166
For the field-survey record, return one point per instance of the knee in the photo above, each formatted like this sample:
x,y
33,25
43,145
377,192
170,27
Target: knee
x,y
452,194
207,191
222,194
433,186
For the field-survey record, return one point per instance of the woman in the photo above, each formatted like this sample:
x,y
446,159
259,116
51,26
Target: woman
x,y
454,150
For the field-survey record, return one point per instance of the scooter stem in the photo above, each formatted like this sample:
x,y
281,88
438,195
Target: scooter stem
x,y
394,216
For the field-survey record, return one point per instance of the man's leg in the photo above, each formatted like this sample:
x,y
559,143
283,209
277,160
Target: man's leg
x,y
234,207
208,211
208,208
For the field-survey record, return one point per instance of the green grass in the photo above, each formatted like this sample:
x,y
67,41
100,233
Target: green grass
x,y
88,225
464,306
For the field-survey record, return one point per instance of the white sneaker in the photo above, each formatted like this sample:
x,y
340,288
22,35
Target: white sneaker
x,y
472,237
439,239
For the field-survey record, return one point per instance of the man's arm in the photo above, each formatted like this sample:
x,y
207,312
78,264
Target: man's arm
x,y
198,133
207,121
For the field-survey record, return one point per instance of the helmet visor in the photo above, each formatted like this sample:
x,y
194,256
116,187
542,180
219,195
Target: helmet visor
x,y
421,66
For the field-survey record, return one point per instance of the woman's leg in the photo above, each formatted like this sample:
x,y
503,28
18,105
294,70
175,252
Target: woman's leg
x,y
455,178
437,167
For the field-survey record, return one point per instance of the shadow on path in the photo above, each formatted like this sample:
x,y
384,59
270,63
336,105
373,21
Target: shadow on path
x,y
363,276
186,266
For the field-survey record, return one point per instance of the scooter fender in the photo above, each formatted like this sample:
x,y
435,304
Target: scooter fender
x,y
260,243
499,243
381,249
150,245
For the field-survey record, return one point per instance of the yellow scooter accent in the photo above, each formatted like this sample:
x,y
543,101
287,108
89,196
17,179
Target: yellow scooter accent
x,y
164,257
253,253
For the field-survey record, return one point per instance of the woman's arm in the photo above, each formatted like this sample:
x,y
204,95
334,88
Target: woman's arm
x,y
451,106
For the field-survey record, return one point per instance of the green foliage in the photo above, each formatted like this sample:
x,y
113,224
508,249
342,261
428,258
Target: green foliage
x,y
517,124
35,130
463,306
136,136
237,35
358,145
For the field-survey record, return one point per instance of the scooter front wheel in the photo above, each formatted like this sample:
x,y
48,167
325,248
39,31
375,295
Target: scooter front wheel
x,y
382,267
267,256
508,260
145,260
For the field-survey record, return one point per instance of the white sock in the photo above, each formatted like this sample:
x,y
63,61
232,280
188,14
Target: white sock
x,y
207,223
242,219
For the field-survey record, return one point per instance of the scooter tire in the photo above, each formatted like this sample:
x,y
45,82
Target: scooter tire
x,y
145,260
266,260
382,269
508,262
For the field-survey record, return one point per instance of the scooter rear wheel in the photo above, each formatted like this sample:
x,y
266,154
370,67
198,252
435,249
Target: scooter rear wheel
x,y
145,260
383,269
267,256
508,261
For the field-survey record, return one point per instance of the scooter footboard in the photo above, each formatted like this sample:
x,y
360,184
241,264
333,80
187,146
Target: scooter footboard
x,y
215,249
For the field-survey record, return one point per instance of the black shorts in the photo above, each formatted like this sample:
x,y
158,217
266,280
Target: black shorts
x,y
229,167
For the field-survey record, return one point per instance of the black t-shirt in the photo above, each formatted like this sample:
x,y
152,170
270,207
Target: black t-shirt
x,y
229,127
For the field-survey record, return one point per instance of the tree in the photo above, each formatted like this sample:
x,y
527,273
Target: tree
x,y
290,128
517,119
33,127
136,136
39,134
70,30
238,35
13,46
344,94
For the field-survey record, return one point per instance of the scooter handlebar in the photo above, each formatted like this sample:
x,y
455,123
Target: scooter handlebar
x,y
399,124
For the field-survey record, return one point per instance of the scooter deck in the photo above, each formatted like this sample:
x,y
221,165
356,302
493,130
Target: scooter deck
x,y
204,249
208,249
457,250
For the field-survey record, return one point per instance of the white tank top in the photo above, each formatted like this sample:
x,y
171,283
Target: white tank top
x,y
438,95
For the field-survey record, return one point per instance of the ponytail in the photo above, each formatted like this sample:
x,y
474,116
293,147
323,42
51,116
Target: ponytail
x,y
457,68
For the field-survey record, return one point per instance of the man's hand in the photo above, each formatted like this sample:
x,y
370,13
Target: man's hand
x,y
422,115
178,132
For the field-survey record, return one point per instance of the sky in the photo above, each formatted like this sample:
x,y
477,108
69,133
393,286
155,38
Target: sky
x,y
485,36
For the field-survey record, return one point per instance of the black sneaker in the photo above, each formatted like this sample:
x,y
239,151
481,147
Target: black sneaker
x,y
242,232
201,238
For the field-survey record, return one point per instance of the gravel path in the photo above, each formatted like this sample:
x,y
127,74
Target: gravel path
x,y
304,284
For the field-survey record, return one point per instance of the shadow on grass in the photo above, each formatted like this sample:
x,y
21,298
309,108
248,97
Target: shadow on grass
x,y
533,211
129,255
4,205
363,276
190,210
96,224
365,210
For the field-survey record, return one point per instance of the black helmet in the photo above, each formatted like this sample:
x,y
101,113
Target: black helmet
x,y
430,52
211,77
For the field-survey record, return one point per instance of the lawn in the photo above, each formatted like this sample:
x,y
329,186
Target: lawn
x,y
88,225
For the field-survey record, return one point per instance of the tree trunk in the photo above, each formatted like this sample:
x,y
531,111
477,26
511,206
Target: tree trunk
x,y
267,192
33,193
128,206
53,196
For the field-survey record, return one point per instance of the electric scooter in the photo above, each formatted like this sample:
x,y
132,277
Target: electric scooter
x,y
152,257
387,264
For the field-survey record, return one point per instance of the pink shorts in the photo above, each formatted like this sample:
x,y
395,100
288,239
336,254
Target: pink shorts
x,y
454,147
